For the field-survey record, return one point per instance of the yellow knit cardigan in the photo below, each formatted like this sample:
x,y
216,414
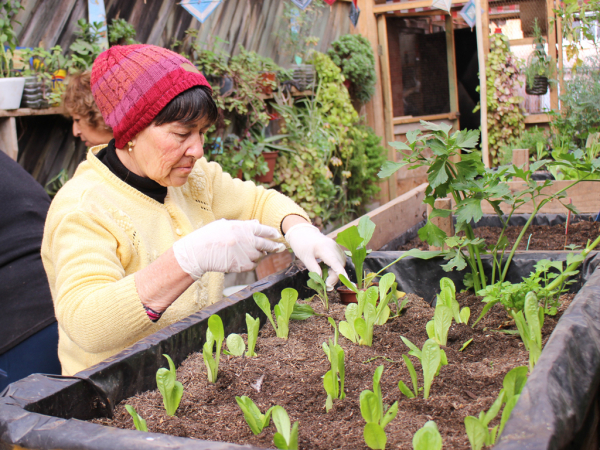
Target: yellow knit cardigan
x,y
100,231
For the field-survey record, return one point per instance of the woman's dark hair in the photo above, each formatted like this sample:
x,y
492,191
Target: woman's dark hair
x,y
190,106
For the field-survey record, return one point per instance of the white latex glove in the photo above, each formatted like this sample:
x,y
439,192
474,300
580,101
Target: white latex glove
x,y
225,246
308,243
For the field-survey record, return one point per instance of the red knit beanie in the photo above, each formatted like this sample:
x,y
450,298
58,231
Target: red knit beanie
x,y
133,83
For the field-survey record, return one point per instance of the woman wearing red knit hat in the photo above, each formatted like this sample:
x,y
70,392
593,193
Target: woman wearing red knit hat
x,y
141,235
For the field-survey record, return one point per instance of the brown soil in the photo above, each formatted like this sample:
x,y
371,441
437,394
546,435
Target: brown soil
x,y
542,237
293,371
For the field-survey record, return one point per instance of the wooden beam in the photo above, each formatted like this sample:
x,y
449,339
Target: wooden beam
x,y
552,50
538,118
520,158
367,26
393,218
559,39
403,6
31,112
452,77
482,29
524,41
9,142
388,108
443,223
429,118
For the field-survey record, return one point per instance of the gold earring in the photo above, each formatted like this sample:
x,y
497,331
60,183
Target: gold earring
x,y
130,143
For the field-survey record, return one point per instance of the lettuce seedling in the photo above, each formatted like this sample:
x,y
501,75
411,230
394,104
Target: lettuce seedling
x,y
235,345
374,413
170,389
447,297
253,326
283,310
214,335
356,239
335,355
317,284
286,437
357,328
303,312
477,427
432,359
530,327
255,420
138,422
427,438
437,328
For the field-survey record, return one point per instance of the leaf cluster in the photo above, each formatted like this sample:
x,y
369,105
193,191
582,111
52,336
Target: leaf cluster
x,y
432,358
317,283
356,239
529,322
254,418
283,310
214,335
121,32
170,389
335,354
86,47
427,437
376,414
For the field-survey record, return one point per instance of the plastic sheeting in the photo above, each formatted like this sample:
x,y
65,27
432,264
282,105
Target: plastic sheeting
x,y
47,412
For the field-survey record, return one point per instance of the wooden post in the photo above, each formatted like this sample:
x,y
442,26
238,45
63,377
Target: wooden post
x,y
520,157
552,50
444,223
482,29
9,142
559,40
386,83
452,77
367,26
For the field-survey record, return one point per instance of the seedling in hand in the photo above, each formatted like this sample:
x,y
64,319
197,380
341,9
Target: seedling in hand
x,y
374,413
214,335
138,422
254,418
356,239
286,437
170,389
283,310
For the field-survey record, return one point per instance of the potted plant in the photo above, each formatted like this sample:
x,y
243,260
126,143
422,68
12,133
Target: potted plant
x,y
11,88
539,66
44,72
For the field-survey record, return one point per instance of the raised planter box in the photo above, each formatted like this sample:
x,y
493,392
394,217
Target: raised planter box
x,y
46,412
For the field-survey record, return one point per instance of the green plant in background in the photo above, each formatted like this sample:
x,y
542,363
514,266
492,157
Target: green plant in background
x,y
86,47
283,310
335,355
536,140
427,437
432,359
253,326
8,38
214,335
286,437
254,418
138,422
170,389
539,63
477,428
505,118
121,32
579,21
375,414
353,54
356,239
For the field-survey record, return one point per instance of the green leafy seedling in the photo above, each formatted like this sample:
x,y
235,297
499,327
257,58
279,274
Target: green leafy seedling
x,y
335,355
235,345
286,437
447,297
138,422
356,239
317,284
427,437
373,411
530,327
283,310
432,359
437,328
303,312
254,418
214,335
253,326
170,389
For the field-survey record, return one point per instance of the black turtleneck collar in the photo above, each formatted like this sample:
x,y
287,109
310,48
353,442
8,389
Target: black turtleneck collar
x,y
108,156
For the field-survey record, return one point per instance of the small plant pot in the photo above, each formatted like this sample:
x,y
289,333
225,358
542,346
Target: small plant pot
x,y
348,296
33,94
266,80
11,91
539,87
270,158
304,76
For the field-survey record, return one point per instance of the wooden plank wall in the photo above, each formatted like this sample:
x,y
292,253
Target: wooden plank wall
x,y
46,145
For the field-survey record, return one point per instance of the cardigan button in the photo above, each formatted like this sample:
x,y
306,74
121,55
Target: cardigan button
x,y
178,231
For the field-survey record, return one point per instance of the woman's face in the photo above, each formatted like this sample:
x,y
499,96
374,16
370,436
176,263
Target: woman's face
x,y
89,134
166,153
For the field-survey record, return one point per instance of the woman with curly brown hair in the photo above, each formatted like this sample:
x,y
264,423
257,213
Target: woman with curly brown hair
x,y
88,124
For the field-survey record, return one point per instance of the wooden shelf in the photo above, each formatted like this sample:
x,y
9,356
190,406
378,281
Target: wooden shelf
x,y
538,118
410,119
295,93
22,112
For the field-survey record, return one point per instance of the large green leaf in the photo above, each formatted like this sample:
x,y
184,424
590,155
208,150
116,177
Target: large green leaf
x,y
437,173
432,234
514,381
235,344
369,406
469,209
215,324
263,303
390,167
350,238
427,438
430,362
476,432
374,436
366,228
282,422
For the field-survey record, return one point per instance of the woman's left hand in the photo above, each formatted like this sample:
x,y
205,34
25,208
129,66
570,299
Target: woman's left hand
x,y
308,243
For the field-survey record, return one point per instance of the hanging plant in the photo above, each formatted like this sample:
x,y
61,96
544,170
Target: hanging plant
x,y
504,115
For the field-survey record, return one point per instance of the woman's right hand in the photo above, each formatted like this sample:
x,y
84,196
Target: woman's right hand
x,y
225,246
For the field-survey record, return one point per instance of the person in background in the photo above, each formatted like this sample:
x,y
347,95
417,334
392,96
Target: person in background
x,y
141,235
88,124
28,328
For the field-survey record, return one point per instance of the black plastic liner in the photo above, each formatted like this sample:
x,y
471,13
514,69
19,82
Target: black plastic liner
x,y
48,412
491,220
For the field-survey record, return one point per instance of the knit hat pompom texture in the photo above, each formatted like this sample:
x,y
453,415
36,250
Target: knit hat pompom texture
x,y
133,83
